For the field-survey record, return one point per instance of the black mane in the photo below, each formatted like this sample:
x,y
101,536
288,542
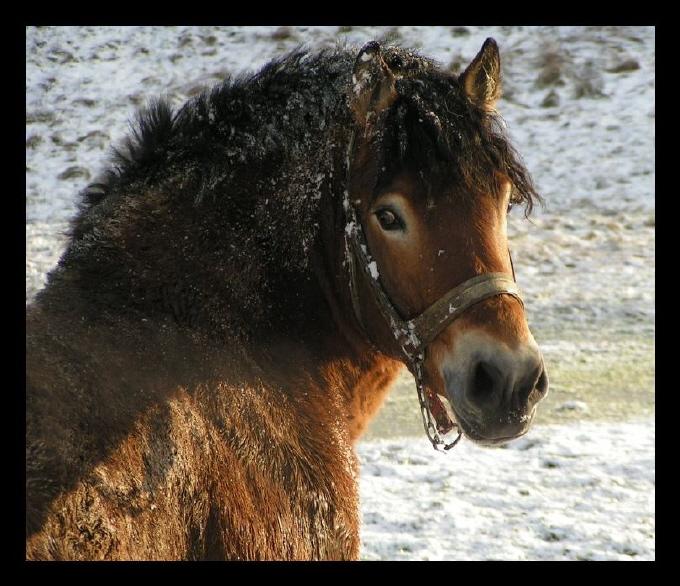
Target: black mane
x,y
204,132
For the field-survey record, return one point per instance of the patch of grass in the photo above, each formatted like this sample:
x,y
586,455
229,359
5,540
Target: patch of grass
x,y
283,33
550,69
625,66
588,82
391,37
457,65
460,31
33,141
39,116
551,100
74,172
615,385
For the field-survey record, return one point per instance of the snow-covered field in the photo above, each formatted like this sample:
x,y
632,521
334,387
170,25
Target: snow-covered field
x,y
579,105
583,491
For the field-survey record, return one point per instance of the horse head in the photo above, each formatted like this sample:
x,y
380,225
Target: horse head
x,y
431,179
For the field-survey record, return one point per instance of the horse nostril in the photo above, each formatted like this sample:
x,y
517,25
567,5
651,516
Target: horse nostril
x,y
541,386
534,388
484,382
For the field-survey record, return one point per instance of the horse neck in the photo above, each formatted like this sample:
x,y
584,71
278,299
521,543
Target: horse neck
x,y
159,270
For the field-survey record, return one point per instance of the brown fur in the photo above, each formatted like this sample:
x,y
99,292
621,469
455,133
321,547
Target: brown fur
x,y
373,89
482,78
247,456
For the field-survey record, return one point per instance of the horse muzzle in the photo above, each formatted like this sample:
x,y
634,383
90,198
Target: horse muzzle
x,y
493,389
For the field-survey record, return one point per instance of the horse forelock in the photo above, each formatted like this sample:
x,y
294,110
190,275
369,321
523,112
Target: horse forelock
x,y
435,131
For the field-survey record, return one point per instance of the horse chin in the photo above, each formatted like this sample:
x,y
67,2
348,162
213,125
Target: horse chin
x,y
473,432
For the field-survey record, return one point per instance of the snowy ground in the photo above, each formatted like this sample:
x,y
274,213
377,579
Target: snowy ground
x,y
579,105
583,491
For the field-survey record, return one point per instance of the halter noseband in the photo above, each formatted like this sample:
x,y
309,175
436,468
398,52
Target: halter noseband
x,y
414,335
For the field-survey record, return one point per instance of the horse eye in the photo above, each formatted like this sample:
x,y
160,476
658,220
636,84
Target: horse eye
x,y
389,220
509,207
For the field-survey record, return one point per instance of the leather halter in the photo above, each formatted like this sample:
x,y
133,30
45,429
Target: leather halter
x,y
415,334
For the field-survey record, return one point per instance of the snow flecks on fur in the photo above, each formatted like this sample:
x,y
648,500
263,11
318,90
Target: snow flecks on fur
x,y
373,268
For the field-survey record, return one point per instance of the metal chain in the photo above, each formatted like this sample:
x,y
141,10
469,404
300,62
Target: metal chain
x,y
430,428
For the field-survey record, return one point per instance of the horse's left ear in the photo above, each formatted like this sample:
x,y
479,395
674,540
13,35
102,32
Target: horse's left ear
x,y
482,78
373,89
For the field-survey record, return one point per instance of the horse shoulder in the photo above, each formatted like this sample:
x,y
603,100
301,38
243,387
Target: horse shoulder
x,y
224,473
296,473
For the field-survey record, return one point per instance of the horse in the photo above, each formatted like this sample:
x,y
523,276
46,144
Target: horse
x,y
241,287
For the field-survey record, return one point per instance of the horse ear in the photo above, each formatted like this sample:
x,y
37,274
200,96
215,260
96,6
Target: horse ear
x,y
482,78
373,88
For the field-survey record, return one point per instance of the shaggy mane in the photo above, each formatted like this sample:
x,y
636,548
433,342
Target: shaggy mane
x,y
161,140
